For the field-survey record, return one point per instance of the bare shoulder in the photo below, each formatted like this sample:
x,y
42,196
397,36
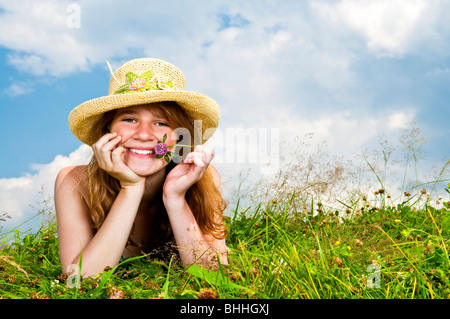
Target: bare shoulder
x,y
73,177
72,192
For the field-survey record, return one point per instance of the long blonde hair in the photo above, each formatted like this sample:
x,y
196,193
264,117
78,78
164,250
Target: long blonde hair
x,y
204,198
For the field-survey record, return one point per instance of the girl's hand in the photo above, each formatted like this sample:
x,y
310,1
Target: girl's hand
x,y
109,157
188,172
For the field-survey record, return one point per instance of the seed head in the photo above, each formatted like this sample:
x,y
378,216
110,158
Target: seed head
x,y
338,261
116,293
207,293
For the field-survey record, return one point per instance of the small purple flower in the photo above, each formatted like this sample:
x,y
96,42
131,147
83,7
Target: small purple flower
x,y
161,149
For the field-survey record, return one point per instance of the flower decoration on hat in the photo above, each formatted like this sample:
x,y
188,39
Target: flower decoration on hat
x,y
141,83
161,149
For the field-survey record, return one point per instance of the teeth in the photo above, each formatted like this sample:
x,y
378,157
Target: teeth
x,y
142,152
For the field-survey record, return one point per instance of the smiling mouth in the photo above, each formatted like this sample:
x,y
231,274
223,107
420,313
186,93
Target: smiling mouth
x,y
141,152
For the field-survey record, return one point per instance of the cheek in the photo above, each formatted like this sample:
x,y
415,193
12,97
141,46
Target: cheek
x,y
174,137
122,131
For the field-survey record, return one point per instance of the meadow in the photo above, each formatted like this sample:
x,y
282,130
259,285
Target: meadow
x,y
300,235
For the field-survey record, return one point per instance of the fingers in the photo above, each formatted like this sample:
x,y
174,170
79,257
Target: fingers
x,y
104,149
201,156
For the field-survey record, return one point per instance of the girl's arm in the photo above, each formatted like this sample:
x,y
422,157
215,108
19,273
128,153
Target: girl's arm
x,y
193,245
76,237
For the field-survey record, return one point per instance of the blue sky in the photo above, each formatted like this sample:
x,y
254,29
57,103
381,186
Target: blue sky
x,y
351,72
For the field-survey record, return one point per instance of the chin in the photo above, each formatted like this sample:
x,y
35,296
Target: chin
x,y
144,166
145,170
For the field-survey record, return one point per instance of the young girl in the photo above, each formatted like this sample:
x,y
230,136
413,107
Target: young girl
x,y
130,201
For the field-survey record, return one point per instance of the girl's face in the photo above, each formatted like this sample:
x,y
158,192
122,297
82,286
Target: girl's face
x,y
141,127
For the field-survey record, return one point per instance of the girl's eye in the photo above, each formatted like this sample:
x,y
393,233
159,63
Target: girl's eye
x,y
161,123
129,120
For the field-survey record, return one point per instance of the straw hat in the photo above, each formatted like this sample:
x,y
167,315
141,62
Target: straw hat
x,y
137,82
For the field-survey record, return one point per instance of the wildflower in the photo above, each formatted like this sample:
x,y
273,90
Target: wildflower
x,y
236,276
116,293
423,191
349,248
136,84
397,221
207,293
161,149
337,261
337,243
381,191
254,271
407,194
143,82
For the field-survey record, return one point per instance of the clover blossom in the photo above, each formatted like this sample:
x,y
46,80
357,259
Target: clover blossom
x,y
161,149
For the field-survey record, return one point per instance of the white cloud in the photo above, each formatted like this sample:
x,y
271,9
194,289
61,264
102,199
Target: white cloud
x,y
291,65
18,88
400,120
20,195
37,32
389,27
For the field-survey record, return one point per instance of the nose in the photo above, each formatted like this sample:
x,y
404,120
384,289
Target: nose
x,y
144,132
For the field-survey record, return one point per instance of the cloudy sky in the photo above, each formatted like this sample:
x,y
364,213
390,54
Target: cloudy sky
x,y
348,71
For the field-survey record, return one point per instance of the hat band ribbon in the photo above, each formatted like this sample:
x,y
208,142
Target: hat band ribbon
x,y
145,82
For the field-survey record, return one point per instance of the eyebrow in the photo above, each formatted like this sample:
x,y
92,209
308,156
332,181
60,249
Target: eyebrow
x,y
134,112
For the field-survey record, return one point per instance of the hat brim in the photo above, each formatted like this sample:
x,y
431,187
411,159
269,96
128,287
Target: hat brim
x,y
83,118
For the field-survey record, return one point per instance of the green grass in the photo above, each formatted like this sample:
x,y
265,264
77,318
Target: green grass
x,y
275,252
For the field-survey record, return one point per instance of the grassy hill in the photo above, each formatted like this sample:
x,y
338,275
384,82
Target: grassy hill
x,y
276,251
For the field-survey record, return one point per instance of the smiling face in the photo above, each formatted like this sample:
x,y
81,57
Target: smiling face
x,y
141,127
